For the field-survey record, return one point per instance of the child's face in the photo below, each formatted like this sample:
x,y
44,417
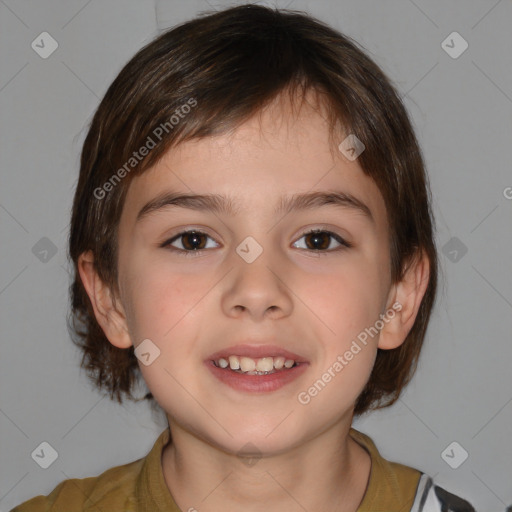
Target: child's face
x,y
308,302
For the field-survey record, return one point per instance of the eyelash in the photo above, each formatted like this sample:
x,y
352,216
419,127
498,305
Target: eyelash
x,y
197,252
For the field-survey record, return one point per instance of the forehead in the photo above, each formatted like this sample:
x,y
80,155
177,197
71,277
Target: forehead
x,y
278,152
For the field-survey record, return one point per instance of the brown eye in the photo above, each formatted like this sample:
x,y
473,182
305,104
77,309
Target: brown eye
x,y
320,240
191,242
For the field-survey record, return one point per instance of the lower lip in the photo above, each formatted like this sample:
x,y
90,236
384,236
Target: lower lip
x,y
257,383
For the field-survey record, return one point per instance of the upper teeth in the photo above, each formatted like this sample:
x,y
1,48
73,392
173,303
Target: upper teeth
x,y
247,364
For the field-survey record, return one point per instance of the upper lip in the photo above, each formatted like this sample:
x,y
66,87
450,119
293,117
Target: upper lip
x,y
256,352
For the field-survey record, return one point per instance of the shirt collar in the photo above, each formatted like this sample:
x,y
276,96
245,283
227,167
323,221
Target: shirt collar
x,y
152,493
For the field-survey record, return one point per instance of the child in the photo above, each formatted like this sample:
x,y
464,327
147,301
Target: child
x,y
252,233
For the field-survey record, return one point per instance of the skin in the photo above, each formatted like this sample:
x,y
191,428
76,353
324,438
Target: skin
x,y
290,296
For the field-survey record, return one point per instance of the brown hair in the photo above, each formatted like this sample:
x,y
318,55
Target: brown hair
x,y
229,65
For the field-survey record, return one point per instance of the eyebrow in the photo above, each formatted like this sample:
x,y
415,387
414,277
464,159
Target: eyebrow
x,y
219,203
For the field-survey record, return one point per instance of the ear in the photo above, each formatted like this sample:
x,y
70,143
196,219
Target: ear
x,y
109,313
405,300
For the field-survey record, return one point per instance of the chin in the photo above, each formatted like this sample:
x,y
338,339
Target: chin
x,y
269,436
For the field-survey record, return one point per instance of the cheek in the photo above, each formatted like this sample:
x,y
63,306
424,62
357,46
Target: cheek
x,y
347,300
167,310
346,306
167,306
347,303
161,301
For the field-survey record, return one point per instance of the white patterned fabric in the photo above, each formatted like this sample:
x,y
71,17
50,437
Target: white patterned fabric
x,y
432,498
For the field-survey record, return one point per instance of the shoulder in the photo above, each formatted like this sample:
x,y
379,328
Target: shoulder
x,y
430,497
390,484
114,489
394,486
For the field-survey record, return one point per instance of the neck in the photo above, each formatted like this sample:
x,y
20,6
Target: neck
x,y
329,472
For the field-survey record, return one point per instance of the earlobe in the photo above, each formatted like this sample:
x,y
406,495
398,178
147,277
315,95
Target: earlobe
x,y
109,313
405,300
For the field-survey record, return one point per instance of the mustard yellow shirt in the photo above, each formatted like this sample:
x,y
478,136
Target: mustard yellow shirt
x,y
139,486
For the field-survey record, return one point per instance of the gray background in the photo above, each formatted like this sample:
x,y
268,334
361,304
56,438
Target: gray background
x,y
461,108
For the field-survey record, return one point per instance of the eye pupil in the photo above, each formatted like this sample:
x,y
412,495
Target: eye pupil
x,y
316,236
189,236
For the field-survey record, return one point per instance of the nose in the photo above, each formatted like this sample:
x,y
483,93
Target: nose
x,y
257,286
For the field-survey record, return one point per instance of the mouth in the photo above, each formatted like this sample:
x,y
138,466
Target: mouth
x,y
256,368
